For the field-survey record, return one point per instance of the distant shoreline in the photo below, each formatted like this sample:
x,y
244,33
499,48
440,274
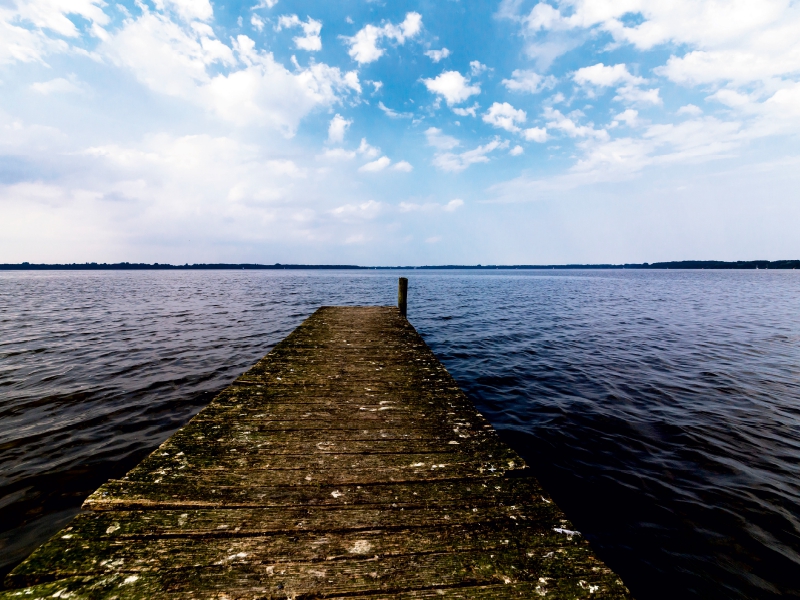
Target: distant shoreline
x,y
124,266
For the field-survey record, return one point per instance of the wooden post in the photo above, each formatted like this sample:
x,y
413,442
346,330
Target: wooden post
x,y
402,295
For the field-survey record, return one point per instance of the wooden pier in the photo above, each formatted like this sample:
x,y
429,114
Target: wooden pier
x,y
345,463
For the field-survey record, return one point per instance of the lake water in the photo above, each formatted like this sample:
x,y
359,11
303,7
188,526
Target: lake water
x,y
661,409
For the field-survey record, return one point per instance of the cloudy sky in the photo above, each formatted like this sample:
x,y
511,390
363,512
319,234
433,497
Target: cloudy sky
x,y
399,132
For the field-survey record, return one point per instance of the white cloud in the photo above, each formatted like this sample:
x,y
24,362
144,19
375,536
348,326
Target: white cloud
x,y
662,144
605,75
605,159
18,44
543,16
266,93
185,155
240,84
403,166
393,114
439,140
190,10
437,55
364,44
264,4
428,207
528,81
630,117
734,99
414,207
364,149
150,196
310,40
20,138
257,22
535,134
31,30
351,80
476,68
699,22
741,42
54,15
635,95
165,56
690,109
742,53
376,165
452,86
467,112
785,102
699,67
338,154
543,49
337,128
504,116
219,191
454,205
517,150
339,125
365,210
454,163
703,137
55,86
572,129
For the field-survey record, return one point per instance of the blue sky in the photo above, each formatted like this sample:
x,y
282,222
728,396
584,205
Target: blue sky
x,y
399,133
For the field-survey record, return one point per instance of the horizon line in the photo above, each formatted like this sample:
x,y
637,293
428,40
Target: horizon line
x,y
127,266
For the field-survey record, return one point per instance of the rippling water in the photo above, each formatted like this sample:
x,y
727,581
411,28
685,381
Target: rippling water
x,y
660,408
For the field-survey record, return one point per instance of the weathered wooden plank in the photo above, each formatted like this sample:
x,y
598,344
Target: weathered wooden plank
x,y
551,588
250,437
302,401
239,522
368,419
82,555
221,429
118,494
263,446
119,585
313,419
293,477
332,578
173,457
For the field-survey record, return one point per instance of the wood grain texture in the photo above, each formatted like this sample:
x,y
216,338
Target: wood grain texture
x,y
346,463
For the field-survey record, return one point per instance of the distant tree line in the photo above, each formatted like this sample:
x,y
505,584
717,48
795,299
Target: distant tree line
x,y
678,264
126,266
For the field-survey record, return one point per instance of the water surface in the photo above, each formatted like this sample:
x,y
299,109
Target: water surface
x,y
660,408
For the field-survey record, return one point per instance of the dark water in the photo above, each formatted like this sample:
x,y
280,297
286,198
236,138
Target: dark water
x,y
661,409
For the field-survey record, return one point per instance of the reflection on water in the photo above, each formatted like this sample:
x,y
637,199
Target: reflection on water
x,y
661,409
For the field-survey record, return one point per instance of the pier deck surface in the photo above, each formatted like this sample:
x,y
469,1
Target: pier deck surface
x,y
346,463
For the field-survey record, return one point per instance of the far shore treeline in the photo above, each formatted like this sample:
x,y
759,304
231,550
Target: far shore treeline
x,y
125,266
